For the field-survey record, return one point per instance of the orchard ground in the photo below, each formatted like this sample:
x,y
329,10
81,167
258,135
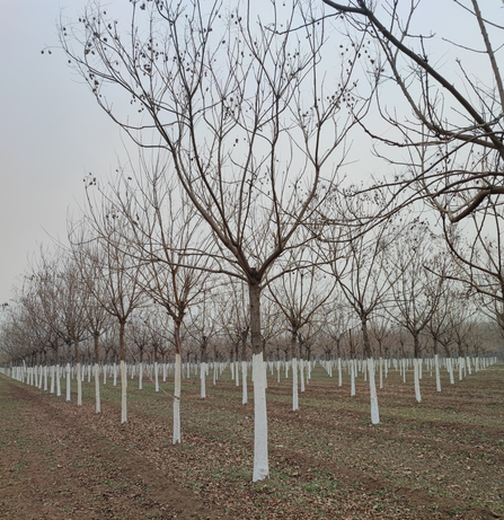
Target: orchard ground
x,y
441,459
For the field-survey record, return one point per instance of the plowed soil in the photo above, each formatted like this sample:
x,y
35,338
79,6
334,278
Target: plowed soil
x,y
442,459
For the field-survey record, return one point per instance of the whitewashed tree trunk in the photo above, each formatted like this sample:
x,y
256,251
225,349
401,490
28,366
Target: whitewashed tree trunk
x,y
301,375
97,387
140,376
237,374
340,375
176,399
45,378
278,370
375,413
295,395
51,388
115,373
105,373
416,374
381,372
352,377
438,377
244,382
156,377
68,382
449,366
124,385
203,371
261,464
58,381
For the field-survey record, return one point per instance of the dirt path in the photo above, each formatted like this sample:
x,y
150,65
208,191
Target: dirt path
x,y
51,467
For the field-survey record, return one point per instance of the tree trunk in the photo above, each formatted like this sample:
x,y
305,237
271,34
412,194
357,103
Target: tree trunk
x,y
97,373
244,382
294,366
79,375
261,463
295,395
124,382
438,377
178,388
203,372
375,414
68,382
352,377
416,374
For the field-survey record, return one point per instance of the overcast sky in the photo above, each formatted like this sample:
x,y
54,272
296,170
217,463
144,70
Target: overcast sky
x,y
52,133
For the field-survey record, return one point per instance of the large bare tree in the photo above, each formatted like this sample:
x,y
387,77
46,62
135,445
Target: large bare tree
x,y
440,91
450,110
104,234
250,113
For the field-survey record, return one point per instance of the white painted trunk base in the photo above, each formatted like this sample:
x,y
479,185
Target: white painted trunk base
x,y
416,375
295,395
375,414
261,464
79,384
352,377
124,386
58,381
51,391
244,382
156,377
176,400
203,373
68,382
436,369
97,387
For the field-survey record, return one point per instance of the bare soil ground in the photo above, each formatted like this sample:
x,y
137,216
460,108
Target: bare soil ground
x,y
443,458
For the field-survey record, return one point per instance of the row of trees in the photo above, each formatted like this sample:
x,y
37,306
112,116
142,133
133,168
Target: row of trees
x,y
369,304
251,112
132,279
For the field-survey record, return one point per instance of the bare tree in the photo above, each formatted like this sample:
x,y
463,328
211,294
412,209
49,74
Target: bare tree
x,y
415,293
104,233
247,113
456,123
299,293
96,317
63,298
164,235
445,125
357,265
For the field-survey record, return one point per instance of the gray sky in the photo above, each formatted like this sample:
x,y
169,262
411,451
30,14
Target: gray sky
x,y
51,134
